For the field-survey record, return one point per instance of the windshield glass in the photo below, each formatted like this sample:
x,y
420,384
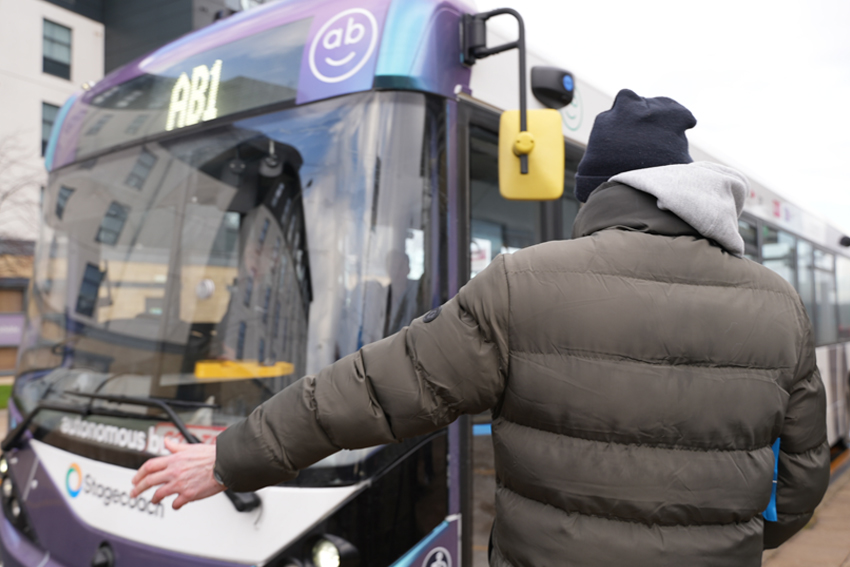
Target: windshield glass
x,y
220,268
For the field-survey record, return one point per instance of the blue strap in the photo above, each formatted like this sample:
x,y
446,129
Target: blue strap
x,y
770,513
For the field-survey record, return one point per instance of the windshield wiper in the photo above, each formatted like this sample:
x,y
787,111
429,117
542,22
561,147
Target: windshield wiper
x,y
242,501
14,436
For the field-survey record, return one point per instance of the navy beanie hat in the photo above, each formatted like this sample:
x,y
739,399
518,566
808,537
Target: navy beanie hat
x,y
635,134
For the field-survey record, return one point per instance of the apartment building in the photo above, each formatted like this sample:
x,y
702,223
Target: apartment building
x,y
48,51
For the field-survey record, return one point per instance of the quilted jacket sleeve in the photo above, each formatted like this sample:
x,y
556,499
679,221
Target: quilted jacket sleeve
x,y
408,384
804,450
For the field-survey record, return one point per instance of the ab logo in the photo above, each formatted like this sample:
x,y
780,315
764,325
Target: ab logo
x,y
343,45
439,557
74,480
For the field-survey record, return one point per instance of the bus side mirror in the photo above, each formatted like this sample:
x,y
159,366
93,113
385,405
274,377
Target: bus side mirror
x,y
543,143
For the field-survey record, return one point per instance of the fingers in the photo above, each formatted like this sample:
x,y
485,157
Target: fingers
x,y
187,473
201,490
175,446
180,501
165,491
150,480
151,466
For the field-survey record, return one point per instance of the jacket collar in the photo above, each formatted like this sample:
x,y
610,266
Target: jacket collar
x,y
614,205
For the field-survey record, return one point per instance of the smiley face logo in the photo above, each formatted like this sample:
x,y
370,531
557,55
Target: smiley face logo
x,y
573,112
343,45
74,480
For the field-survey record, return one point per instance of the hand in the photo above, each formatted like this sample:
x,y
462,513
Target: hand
x,y
187,472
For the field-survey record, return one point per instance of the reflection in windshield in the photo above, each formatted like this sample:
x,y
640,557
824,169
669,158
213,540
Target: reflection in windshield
x,y
222,267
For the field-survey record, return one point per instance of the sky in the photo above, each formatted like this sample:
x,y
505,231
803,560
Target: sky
x,y
768,81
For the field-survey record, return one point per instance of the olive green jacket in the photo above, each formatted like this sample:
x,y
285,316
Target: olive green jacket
x,y
638,376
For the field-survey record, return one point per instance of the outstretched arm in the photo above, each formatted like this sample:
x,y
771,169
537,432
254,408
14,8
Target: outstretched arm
x,y
408,384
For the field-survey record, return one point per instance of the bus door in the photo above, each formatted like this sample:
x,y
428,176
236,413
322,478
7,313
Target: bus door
x,y
496,226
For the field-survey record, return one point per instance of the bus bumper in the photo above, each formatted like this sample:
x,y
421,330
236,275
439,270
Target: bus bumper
x,y
18,551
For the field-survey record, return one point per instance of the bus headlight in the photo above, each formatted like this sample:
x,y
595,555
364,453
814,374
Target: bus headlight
x,y
325,554
332,551
10,499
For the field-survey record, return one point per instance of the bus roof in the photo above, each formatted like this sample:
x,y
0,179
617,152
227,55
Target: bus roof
x,y
391,44
385,44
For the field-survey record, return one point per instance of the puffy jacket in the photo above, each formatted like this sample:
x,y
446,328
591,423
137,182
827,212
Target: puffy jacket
x,y
638,376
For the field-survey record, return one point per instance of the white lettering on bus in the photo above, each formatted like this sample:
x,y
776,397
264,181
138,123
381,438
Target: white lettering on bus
x,y
116,497
194,100
104,433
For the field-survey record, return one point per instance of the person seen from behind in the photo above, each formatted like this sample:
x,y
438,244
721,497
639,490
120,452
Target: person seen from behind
x,y
638,376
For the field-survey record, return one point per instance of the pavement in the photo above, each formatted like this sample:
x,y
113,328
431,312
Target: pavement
x,y
825,541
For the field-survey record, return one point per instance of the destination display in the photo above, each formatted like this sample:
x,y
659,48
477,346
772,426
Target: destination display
x,y
248,73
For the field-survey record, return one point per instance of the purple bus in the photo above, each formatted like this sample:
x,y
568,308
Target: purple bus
x,y
228,214
253,202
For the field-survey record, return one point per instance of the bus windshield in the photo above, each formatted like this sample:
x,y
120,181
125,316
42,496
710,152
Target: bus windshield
x,y
220,267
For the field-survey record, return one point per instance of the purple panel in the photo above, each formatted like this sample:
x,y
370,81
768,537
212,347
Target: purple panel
x,y
238,26
342,49
18,550
420,47
455,432
438,62
11,327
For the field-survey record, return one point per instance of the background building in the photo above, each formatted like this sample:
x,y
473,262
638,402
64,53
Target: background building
x,y
50,48
48,52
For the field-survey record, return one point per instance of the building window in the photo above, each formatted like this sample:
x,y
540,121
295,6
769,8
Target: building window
x,y
89,290
136,124
62,200
57,50
142,168
249,290
112,223
97,126
778,252
49,112
240,340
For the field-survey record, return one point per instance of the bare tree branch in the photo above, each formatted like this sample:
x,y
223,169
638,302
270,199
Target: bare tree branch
x,y
21,177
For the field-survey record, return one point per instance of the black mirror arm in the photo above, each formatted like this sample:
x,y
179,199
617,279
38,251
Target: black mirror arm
x,y
474,42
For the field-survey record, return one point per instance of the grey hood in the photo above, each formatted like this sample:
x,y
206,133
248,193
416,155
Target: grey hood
x,y
708,196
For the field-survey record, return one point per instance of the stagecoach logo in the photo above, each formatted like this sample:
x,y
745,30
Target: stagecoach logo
x,y
439,557
74,480
343,45
76,483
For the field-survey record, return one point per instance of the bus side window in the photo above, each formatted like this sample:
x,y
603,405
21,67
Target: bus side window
x,y
826,325
569,204
778,250
806,278
751,241
842,273
498,225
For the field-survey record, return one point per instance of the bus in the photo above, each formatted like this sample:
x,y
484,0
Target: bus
x,y
252,202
